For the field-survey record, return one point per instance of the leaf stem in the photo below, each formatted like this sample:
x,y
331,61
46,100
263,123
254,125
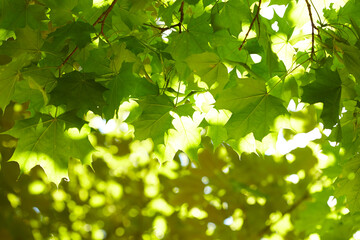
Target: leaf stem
x,y
251,25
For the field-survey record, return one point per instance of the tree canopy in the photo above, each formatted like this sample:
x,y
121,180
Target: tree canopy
x,y
179,119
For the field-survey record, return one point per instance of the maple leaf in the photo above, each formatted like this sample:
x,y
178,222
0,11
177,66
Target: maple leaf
x,y
9,76
77,32
27,41
185,136
253,109
229,15
208,66
85,94
62,11
123,86
326,89
18,14
155,118
42,140
194,40
348,183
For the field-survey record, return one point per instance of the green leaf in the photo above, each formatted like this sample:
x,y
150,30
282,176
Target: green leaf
x,y
119,55
34,87
9,75
350,12
229,15
123,86
217,134
326,89
24,93
194,40
187,136
155,118
39,78
216,130
351,57
208,66
167,12
230,50
285,25
85,94
61,11
5,59
330,14
19,13
279,2
270,65
77,32
348,184
27,41
43,141
97,61
284,89
192,2
254,110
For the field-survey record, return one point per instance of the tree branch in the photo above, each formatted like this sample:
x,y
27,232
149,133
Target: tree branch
x,y
251,25
101,20
312,29
103,17
317,13
181,10
179,24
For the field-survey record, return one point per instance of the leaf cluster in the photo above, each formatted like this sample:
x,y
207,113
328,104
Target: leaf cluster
x,y
219,83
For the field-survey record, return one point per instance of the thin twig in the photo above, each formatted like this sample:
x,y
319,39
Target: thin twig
x,y
177,94
181,10
68,57
104,15
251,25
179,24
342,25
162,29
317,13
101,20
189,95
312,29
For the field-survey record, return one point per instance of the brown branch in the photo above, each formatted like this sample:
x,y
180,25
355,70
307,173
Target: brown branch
x,y
162,29
312,30
179,24
104,15
251,25
68,57
181,10
101,20
317,13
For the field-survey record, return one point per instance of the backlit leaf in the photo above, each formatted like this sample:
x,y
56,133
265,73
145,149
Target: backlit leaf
x,y
43,141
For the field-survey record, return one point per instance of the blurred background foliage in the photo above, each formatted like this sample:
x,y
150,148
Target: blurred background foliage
x,y
128,194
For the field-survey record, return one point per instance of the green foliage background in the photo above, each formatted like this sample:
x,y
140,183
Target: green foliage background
x,y
198,96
